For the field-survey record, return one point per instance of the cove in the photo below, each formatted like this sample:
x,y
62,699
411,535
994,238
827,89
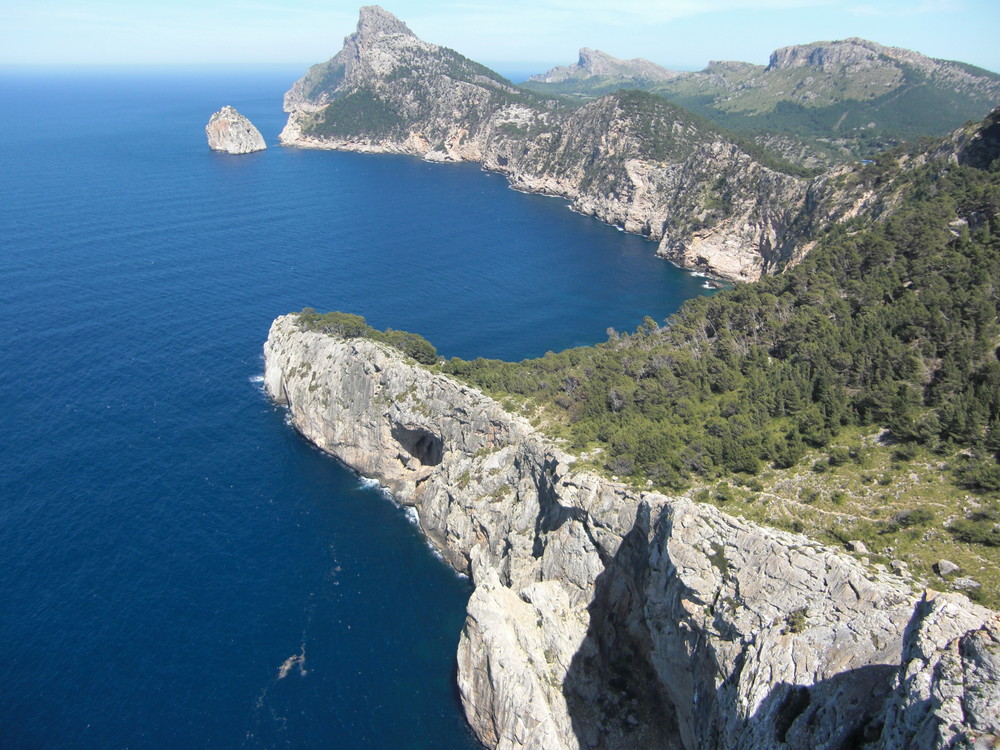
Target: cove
x,y
180,568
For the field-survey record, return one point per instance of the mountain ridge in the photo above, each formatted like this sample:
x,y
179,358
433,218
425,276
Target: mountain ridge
x,y
839,100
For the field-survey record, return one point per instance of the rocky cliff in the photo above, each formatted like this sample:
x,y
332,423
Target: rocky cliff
x,y
629,158
605,617
866,63
229,131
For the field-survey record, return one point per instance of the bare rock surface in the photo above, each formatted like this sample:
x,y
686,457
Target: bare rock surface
x,y
606,617
229,131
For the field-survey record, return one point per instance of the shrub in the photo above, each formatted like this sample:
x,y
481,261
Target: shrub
x,y
795,622
914,517
348,326
978,528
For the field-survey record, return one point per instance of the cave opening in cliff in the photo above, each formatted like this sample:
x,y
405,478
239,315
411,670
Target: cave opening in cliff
x,y
420,443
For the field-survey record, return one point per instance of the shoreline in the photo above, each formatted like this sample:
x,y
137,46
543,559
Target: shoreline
x,y
402,150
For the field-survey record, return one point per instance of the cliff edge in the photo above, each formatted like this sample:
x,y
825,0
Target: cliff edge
x,y
605,617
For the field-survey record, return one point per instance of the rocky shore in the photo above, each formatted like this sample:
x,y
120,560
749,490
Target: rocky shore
x,y
607,617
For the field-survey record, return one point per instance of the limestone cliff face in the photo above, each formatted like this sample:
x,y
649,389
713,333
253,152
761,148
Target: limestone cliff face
x,y
629,159
603,617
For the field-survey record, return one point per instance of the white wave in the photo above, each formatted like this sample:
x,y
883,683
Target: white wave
x,y
411,515
257,378
295,661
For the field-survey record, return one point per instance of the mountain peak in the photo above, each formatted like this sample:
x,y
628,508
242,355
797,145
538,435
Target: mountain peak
x,y
375,21
843,52
594,63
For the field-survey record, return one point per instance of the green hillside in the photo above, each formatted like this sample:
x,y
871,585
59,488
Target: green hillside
x,y
873,98
874,359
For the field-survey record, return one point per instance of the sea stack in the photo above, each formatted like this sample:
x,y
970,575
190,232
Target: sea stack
x,y
231,132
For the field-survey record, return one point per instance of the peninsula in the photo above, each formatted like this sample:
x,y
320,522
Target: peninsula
x,y
607,617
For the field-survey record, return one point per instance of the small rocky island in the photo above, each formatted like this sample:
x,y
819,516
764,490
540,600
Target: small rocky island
x,y
229,131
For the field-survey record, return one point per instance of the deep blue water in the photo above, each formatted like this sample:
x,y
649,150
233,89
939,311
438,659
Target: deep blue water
x,y
167,542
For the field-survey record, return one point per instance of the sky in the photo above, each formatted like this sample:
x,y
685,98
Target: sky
x,y
515,37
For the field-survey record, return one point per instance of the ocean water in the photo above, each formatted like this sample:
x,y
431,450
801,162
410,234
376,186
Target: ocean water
x,y
178,568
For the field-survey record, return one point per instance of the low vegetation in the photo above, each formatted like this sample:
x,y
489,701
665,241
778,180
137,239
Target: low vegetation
x,y
656,118
348,326
361,112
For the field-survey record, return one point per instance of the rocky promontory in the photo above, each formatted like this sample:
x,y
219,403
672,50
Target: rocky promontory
x,y
629,158
229,131
607,617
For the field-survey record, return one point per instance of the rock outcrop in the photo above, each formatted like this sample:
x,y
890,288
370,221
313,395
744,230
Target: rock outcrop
x,y
856,59
229,131
605,617
629,159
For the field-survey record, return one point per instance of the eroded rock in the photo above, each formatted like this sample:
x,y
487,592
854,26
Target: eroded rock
x,y
229,131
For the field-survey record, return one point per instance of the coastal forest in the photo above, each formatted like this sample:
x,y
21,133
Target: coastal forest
x,y
855,396
825,387
893,325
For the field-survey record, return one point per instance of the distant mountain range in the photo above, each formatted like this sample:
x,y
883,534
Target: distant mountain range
x,y
816,103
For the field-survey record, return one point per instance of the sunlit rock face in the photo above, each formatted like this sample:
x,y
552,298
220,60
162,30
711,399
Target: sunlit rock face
x,y
229,131
608,617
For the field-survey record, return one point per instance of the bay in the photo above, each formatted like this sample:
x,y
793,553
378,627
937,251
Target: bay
x,y
179,568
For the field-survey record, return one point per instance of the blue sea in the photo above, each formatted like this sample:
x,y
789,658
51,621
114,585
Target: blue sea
x,y
178,568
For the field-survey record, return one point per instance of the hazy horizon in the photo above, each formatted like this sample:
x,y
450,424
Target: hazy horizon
x,y
522,37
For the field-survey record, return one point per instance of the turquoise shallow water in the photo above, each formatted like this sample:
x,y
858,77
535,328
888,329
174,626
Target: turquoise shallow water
x,y
179,568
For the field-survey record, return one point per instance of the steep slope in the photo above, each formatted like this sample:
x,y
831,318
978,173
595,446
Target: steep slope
x,y
830,100
630,159
603,617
